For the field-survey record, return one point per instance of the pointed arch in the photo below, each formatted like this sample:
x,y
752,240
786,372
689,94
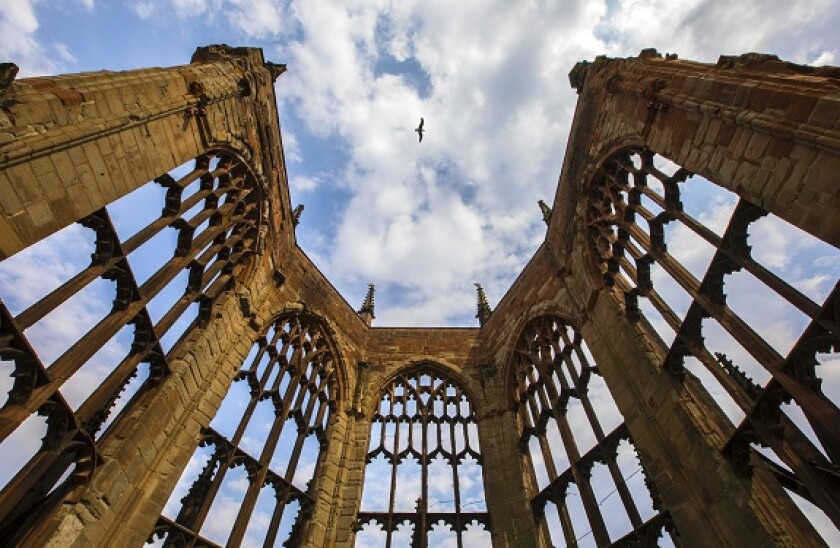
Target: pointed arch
x,y
424,423
552,385
293,386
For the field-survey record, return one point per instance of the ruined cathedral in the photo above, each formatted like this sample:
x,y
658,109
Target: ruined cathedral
x,y
565,419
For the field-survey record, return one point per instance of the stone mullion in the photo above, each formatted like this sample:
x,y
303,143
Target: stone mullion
x,y
820,408
255,483
590,503
735,391
424,471
239,528
548,397
609,456
777,284
97,407
565,521
83,349
255,396
394,462
196,502
27,489
532,411
539,430
382,430
311,533
807,462
646,395
587,497
528,429
294,391
323,409
797,444
287,367
200,515
108,250
276,517
453,461
303,432
403,399
161,223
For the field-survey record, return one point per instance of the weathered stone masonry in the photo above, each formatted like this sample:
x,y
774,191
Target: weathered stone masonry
x,y
767,130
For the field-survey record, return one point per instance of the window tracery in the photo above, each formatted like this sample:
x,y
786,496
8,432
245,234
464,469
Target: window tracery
x,y
425,460
786,419
582,470
291,372
211,212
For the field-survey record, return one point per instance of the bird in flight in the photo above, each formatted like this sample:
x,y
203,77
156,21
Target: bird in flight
x,y
420,130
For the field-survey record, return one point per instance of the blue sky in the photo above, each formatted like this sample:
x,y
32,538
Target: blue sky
x,y
422,221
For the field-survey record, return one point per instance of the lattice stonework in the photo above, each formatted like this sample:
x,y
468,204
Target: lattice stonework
x,y
627,221
550,369
424,417
292,369
217,230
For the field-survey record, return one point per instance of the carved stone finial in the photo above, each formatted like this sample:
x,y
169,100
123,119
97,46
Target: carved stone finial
x,y
546,211
296,214
275,69
366,311
483,310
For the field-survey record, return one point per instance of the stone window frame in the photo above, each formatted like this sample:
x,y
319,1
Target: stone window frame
x,y
401,387
548,367
295,355
215,245
622,252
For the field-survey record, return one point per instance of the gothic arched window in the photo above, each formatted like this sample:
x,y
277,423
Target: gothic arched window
x,y
250,476
90,314
751,315
591,487
423,483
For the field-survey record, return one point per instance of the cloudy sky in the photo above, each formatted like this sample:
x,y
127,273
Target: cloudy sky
x,y
422,221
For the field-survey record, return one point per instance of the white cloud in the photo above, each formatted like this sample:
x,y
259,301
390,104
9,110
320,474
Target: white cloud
x,y
826,57
302,185
18,25
424,221
291,148
64,52
143,9
460,207
21,44
257,18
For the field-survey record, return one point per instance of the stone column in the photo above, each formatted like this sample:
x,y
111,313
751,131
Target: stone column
x,y
340,482
506,482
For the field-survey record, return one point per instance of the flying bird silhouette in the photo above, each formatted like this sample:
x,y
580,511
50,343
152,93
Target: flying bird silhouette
x,y
420,130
